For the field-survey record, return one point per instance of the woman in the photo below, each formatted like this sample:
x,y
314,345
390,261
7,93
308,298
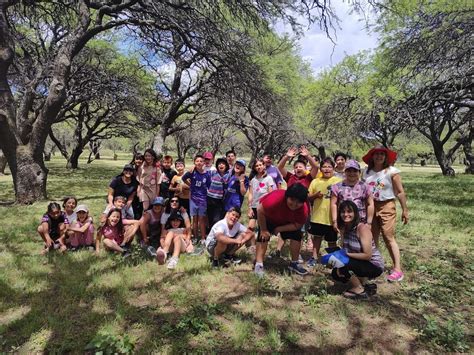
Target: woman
x,y
351,188
149,179
386,185
124,185
364,259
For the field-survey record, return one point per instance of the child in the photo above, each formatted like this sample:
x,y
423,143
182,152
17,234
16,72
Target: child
x,y
237,186
215,193
208,159
69,204
149,179
177,240
260,185
320,225
178,187
166,177
82,229
113,233
53,228
131,225
226,237
199,180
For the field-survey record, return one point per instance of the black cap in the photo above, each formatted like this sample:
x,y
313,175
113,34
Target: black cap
x,y
129,167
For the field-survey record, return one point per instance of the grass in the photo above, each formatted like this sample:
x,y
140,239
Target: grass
x,y
79,302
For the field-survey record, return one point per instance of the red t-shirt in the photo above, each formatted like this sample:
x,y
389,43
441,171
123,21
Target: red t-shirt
x,y
293,179
277,211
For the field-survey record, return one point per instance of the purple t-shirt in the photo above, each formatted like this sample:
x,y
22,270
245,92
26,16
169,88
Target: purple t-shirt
x,y
233,197
199,184
357,194
275,174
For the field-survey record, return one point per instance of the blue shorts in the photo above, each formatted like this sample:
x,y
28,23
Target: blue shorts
x,y
197,210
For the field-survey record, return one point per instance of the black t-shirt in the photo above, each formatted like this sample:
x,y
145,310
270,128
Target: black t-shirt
x,y
123,189
167,176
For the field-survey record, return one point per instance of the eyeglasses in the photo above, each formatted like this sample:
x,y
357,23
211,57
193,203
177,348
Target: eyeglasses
x,y
174,201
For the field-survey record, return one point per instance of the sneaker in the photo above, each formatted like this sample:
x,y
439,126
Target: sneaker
x,y
275,254
297,268
395,276
160,256
151,251
172,263
300,259
232,259
215,263
259,271
203,242
312,262
126,253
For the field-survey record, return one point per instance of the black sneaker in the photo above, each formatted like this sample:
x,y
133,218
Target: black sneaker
x,y
232,259
215,264
297,268
126,253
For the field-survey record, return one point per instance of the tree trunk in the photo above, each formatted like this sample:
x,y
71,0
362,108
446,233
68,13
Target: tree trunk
x,y
30,177
443,161
160,138
73,162
3,163
469,156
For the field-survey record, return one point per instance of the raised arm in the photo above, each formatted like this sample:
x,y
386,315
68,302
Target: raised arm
x,y
282,163
314,164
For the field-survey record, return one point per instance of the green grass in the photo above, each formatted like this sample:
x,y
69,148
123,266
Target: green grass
x,y
74,302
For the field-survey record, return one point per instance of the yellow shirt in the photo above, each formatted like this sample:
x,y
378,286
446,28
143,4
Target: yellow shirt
x,y
321,206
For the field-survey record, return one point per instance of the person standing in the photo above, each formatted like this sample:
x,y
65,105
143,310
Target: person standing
x,y
386,184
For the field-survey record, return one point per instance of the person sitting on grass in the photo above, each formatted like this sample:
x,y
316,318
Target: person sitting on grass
x,y
69,204
150,225
283,212
176,241
112,232
364,259
82,229
53,228
226,237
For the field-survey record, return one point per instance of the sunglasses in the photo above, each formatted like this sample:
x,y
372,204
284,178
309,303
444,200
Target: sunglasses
x,y
174,200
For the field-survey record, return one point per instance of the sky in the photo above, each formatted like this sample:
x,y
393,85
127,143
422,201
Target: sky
x,y
318,50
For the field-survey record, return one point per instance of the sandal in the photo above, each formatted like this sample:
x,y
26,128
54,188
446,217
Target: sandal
x,y
355,296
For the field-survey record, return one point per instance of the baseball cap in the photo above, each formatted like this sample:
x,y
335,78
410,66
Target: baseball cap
x,y
208,155
352,164
241,162
82,208
158,201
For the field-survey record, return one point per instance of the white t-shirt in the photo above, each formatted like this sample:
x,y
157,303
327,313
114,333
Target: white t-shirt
x,y
260,188
209,168
222,227
381,183
71,217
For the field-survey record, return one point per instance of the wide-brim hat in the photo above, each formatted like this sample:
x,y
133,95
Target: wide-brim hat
x,y
390,155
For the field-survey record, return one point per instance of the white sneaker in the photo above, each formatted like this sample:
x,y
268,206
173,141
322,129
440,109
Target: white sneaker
x,y
259,271
160,256
300,259
172,263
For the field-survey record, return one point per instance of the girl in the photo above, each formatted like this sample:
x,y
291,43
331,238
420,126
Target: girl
x,y
137,160
172,207
53,228
69,204
351,188
215,193
237,187
113,233
260,185
365,259
82,229
320,223
177,240
386,185
149,179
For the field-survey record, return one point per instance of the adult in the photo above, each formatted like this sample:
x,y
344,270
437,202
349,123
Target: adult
x,y
386,184
124,185
364,259
226,237
355,190
231,158
299,174
272,170
340,160
149,179
283,212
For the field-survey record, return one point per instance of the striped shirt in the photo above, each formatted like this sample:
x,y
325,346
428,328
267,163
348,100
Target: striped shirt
x,y
218,185
352,245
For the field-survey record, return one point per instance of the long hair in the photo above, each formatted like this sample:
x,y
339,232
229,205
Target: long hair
x,y
355,222
168,208
253,172
120,227
153,154
175,215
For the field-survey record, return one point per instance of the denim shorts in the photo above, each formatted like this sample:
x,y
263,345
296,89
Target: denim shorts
x,y
197,210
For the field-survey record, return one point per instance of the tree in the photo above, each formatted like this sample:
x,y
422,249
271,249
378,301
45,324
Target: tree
x,y
39,42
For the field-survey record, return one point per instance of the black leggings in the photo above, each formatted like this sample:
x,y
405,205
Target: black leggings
x,y
360,268
215,210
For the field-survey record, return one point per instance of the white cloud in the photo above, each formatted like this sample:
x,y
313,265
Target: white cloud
x,y
352,37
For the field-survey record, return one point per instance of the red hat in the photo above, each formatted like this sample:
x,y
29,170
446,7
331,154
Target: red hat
x,y
208,155
390,154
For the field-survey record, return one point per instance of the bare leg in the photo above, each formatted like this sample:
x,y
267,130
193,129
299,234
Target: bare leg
x,y
295,247
261,250
202,227
112,245
317,240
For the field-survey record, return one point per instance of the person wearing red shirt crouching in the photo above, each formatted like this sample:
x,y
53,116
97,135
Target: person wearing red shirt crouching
x,y
283,212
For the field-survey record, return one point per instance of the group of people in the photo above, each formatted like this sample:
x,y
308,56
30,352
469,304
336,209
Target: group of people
x,y
174,211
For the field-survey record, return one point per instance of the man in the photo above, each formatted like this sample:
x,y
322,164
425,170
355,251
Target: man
x,y
226,237
231,158
272,170
283,212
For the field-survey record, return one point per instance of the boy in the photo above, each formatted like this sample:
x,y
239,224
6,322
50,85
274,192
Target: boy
x,y
178,187
226,237
166,177
199,181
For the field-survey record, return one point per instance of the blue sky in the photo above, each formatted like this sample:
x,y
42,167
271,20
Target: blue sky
x,y
318,50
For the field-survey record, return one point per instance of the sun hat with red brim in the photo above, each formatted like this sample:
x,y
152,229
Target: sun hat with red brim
x,y
391,156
